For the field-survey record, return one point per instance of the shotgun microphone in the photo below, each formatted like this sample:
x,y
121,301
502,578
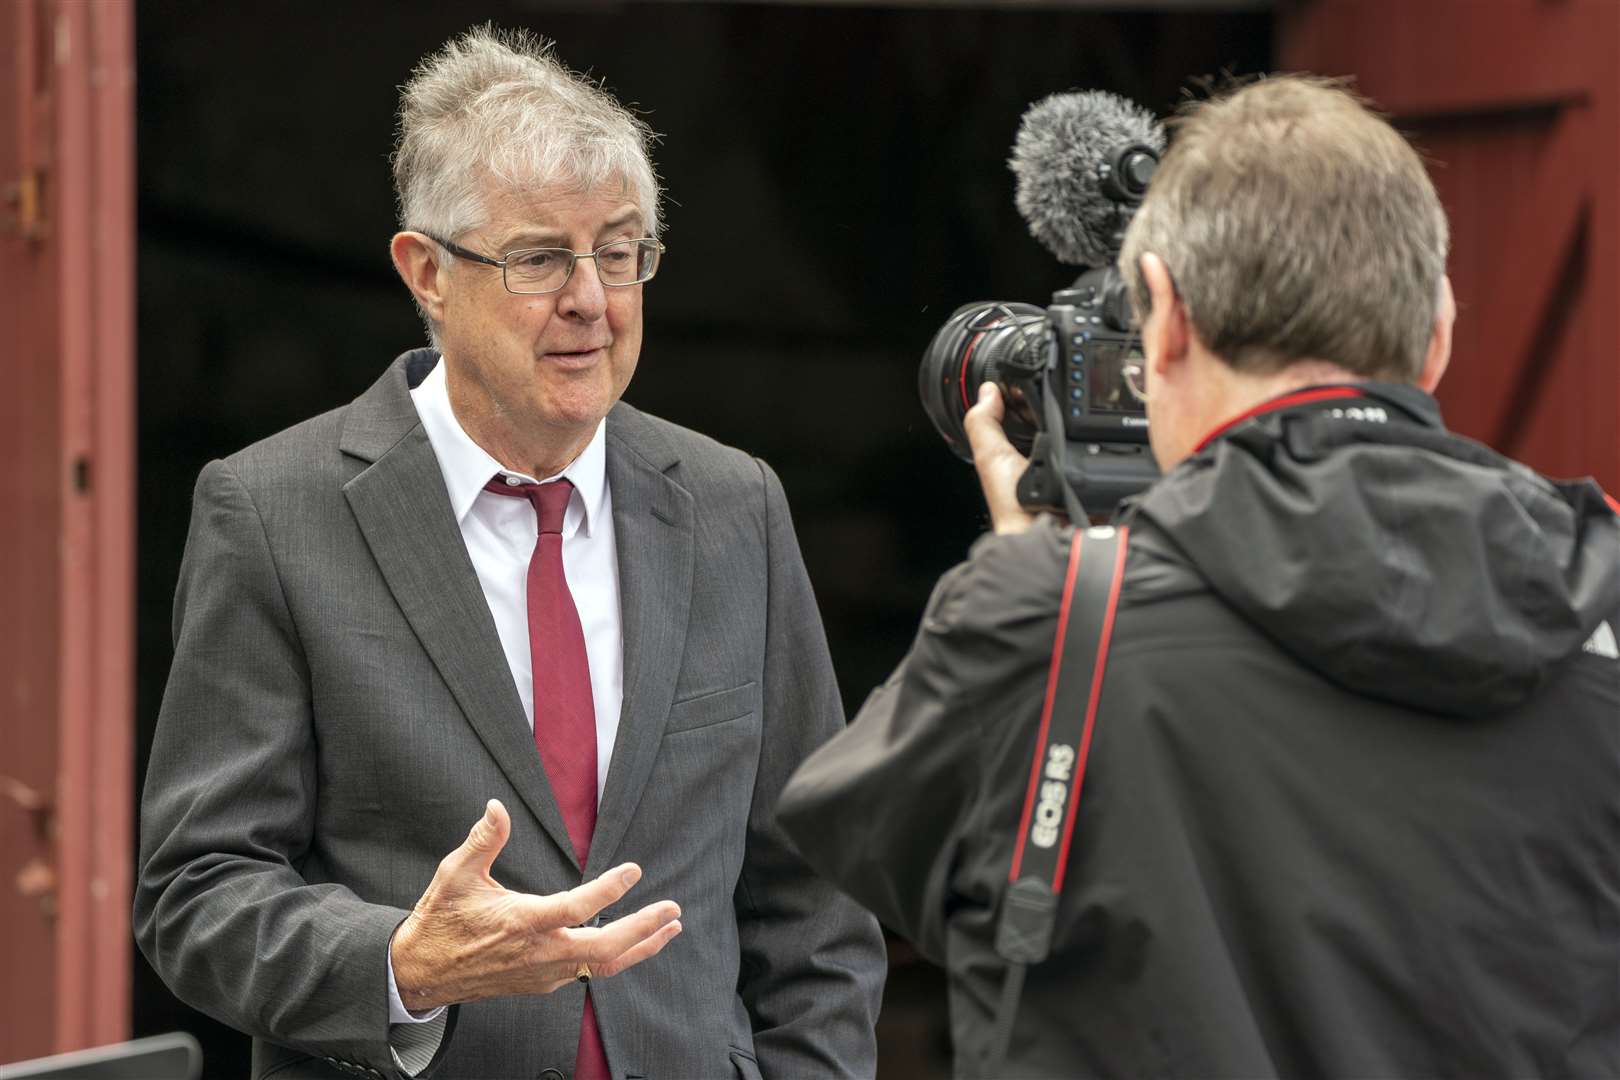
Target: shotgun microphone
x,y
1083,161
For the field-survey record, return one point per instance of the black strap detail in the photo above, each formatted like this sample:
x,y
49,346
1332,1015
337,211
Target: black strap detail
x,y
1058,444
1062,747
1006,1010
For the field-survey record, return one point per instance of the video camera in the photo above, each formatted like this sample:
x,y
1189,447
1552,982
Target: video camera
x,y
1083,162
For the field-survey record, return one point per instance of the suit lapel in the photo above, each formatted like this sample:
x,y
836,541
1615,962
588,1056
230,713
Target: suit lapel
x,y
653,527
405,515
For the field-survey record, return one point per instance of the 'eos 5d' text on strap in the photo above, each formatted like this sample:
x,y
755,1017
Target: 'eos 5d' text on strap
x,y
1057,773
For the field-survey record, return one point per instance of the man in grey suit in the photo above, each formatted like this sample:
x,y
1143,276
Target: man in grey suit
x,y
487,593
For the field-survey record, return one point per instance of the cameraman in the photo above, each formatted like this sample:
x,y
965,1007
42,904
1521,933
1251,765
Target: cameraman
x,y
1352,799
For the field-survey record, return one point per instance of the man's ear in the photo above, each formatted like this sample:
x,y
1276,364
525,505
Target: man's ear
x,y
417,260
1439,354
1166,334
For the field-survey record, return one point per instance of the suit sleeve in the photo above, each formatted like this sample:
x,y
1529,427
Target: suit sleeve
x,y
813,963
918,787
227,816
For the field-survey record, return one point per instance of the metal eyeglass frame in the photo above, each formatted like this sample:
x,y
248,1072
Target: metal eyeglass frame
x,y
573,259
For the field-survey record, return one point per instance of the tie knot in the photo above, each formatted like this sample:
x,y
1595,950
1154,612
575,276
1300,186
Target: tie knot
x,y
550,503
550,500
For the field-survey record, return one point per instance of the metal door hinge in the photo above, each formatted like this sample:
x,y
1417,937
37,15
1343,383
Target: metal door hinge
x,y
25,199
36,878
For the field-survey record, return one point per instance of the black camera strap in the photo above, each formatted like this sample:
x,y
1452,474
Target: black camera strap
x,y
1062,746
1057,447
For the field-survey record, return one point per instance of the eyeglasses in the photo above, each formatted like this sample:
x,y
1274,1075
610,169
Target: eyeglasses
x,y
528,271
1135,373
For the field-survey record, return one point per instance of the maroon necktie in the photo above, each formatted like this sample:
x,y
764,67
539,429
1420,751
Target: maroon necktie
x,y
564,713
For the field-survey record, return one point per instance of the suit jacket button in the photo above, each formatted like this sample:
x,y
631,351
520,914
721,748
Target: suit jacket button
x,y
551,1074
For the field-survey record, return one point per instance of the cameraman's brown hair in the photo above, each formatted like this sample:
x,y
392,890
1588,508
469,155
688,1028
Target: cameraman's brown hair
x,y
1297,225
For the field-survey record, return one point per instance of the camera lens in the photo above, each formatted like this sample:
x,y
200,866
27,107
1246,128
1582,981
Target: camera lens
x,y
986,341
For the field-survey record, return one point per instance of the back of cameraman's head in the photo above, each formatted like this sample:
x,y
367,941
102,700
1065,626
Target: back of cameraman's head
x,y
1297,224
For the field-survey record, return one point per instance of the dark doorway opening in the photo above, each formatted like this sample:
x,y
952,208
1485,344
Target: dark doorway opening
x,y
872,141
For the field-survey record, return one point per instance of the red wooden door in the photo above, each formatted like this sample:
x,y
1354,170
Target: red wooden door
x,y
66,522
1517,103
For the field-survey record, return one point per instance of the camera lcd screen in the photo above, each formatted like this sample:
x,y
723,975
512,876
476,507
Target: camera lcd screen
x,y
1108,389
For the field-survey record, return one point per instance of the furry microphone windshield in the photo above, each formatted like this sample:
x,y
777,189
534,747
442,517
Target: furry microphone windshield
x,y
1062,153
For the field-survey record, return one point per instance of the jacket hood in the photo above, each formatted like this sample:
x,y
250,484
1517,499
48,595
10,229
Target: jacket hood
x,y
1399,560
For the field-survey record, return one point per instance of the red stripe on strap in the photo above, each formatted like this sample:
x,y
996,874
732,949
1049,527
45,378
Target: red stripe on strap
x,y
1091,709
1614,504
1051,694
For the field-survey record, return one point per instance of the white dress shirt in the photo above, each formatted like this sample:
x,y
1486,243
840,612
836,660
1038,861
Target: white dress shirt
x,y
500,533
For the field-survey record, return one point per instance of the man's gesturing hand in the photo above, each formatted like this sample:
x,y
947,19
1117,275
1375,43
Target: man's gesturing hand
x,y
469,938
999,463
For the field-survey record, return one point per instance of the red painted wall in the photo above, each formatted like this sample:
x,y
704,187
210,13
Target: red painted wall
x,y
1517,103
67,545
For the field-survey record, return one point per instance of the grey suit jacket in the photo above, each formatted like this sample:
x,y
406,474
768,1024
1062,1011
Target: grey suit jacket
x,y
339,710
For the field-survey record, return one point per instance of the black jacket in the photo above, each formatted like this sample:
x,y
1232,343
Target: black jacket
x,y
1353,796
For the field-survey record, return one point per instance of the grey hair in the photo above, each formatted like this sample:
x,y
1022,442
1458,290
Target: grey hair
x,y
1298,224
495,110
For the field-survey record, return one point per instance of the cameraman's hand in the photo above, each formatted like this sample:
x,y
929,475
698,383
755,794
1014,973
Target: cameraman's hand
x,y
999,463
469,938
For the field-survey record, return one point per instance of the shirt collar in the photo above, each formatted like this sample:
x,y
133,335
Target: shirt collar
x,y
467,467
1412,402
